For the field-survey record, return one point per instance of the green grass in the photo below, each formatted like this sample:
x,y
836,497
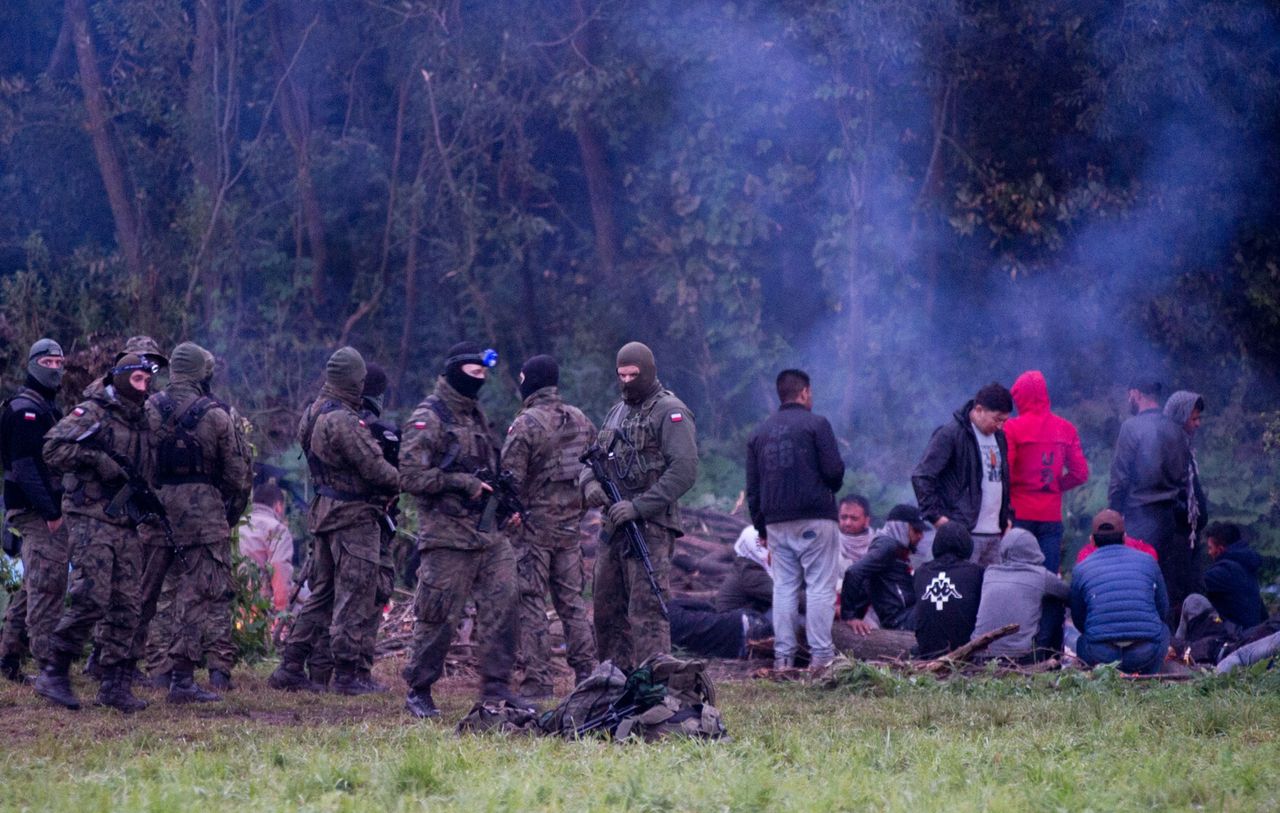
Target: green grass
x,y
877,741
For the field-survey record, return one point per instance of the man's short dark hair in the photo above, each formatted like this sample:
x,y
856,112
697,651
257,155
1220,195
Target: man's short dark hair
x,y
790,384
268,494
1227,533
995,397
1104,538
858,500
1147,385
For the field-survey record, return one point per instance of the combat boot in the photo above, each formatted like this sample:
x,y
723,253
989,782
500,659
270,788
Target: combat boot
x,y
320,676
496,691
290,678
184,689
116,690
347,682
420,704
11,668
220,681
54,682
365,675
160,680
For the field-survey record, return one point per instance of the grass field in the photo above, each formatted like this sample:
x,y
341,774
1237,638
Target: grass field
x,y
1061,742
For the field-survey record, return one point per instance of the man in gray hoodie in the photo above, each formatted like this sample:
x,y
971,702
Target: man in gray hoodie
x,y
1013,593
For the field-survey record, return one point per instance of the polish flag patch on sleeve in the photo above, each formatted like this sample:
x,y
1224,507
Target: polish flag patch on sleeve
x,y
28,416
77,412
419,424
677,417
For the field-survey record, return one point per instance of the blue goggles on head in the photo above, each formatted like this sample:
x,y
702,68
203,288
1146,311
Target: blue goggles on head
x,y
489,358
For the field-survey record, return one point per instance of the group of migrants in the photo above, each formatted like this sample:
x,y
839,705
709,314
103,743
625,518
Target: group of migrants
x,y
136,492
990,489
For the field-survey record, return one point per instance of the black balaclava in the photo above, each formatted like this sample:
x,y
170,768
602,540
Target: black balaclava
x,y
461,354
375,386
539,372
636,390
125,366
46,377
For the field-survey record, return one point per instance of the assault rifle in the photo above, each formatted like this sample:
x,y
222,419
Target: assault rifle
x,y
135,499
637,547
504,499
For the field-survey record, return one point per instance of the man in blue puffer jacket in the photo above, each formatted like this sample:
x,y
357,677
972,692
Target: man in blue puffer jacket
x,y
1119,602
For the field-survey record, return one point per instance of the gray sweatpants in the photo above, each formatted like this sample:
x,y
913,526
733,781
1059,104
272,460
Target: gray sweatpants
x,y
804,551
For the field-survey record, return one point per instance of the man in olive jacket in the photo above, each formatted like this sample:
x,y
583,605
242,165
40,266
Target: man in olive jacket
x,y
654,461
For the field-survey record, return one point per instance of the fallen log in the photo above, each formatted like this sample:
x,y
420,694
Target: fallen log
x,y
960,654
877,645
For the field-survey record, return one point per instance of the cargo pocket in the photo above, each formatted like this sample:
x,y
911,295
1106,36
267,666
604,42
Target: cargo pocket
x,y
431,603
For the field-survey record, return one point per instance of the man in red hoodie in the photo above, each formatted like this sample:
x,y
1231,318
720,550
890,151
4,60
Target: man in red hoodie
x,y
1045,461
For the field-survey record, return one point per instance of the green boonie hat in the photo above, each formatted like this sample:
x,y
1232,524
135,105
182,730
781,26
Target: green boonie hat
x,y
144,346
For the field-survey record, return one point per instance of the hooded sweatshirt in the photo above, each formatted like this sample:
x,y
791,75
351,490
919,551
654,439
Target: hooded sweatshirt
x,y
1192,505
947,591
1012,593
882,580
1045,458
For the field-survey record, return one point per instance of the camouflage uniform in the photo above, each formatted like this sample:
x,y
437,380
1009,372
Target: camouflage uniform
x,y
387,436
353,482
202,475
446,439
654,461
33,498
542,451
106,551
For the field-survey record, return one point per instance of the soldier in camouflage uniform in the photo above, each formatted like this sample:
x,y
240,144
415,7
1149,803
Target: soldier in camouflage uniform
x,y
33,502
106,550
387,436
653,461
446,441
202,474
542,452
354,484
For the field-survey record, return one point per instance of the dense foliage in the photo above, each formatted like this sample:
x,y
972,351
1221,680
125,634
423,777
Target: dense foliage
x,y
908,198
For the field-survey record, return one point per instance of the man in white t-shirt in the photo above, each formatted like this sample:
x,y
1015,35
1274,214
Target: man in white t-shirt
x,y
964,473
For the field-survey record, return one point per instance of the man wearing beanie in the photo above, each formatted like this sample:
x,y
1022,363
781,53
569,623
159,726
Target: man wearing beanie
x,y
964,473
97,449
446,441
203,475
654,461
542,451
33,510
353,485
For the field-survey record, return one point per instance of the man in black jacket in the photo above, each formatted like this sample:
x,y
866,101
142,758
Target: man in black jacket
x,y
948,590
793,472
964,473
1149,474
1231,584
33,499
882,579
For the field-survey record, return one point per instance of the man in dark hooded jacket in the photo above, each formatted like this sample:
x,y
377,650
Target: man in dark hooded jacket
x,y
882,578
1231,584
1182,574
964,473
948,588
1014,592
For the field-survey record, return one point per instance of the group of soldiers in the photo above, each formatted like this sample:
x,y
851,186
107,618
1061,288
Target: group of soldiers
x,y
151,484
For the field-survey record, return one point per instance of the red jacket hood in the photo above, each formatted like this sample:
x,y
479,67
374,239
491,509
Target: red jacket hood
x,y
1031,393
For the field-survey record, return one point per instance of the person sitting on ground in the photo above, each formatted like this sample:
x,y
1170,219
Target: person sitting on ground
x,y
699,628
1231,583
266,542
855,528
1015,592
947,591
882,580
749,584
1119,603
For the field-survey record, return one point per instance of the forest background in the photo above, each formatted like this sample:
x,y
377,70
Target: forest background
x,y
908,199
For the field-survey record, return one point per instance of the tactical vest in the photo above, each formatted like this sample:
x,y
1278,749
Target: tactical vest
x,y
180,458
460,458
635,460
44,414
566,438
327,481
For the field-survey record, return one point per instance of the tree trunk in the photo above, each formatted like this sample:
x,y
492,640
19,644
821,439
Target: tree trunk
x,y
120,193
595,167
879,645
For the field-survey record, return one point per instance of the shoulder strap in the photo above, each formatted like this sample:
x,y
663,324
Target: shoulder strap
x,y
442,410
325,408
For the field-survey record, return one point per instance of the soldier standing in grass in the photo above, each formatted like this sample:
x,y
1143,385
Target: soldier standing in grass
x,y
87,447
542,451
202,474
353,484
653,461
446,441
33,504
